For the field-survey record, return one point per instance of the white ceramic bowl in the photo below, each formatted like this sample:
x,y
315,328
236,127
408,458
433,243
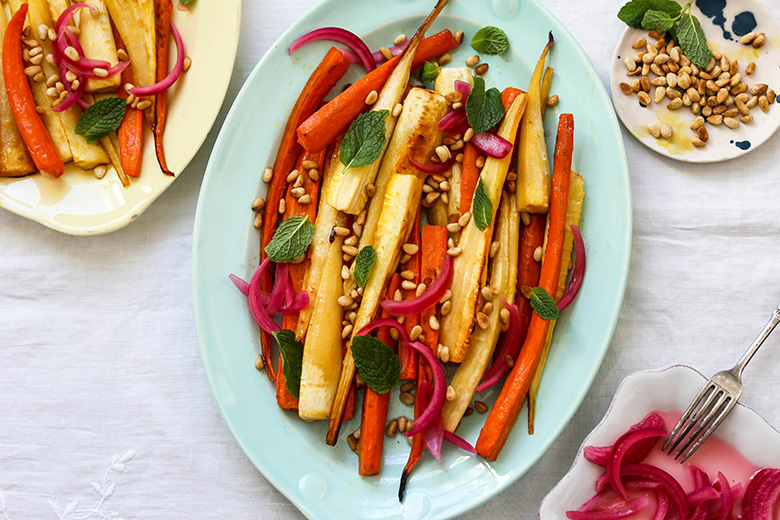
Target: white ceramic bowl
x,y
670,388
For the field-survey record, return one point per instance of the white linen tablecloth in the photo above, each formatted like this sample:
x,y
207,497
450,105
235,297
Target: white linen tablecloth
x,y
104,407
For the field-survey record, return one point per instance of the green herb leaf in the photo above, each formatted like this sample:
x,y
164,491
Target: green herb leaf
x,y
363,264
481,207
429,73
483,109
376,363
490,40
365,139
291,239
657,21
634,11
292,360
691,38
543,304
186,2
101,118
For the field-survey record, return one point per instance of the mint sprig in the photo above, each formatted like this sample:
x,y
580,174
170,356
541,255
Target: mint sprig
x,y
490,40
429,73
376,363
291,239
292,360
483,108
667,16
365,139
543,304
481,207
364,262
101,118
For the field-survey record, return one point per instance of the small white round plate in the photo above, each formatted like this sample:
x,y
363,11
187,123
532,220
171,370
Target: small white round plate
x,y
79,204
723,27
667,389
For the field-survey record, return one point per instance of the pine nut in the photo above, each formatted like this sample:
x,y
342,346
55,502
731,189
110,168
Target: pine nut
x,y
487,294
454,251
746,118
397,110
639,43
341,231
353,443
750,68
71,53
487,308
763,102
630,64
399,39
644,98
345,301
698,142
433,323
268,174
459,37
675,104
408,285
482,69
730,122
472,60
259,365
32,71
402,422
421,288
504,315
759,41
100,72
445,307
482,320
453,227
407,399
480,406
655,131
551,101
258,204
100,171
770,96
411,249
304,199
748,38
452,394
666,131
142,105
187,64
39,78
715,119
372,97
697,123
494,247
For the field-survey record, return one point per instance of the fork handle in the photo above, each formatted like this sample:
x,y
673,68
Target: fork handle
x,y
747,356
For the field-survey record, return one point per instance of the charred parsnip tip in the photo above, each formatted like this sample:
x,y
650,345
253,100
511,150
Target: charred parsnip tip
x,y
573,213
469,267
417,130
533,168
15,160
503,275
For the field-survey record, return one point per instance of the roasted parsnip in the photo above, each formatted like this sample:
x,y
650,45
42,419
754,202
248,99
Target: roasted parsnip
x,y
15,160
98,41
503,275
468,267
533,167
416,131
349,191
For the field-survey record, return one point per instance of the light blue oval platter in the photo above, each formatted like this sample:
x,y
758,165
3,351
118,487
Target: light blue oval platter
x,y
322,481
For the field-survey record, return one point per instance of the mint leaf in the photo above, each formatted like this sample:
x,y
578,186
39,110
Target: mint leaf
x,y
291,239
101,118
481,207
657,21
543,304
292,360
483,109
691,38
490,40
633,12
429,73
363,264
376,363
186,2
365,139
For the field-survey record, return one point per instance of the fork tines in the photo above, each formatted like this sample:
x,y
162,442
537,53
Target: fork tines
x,y
703,416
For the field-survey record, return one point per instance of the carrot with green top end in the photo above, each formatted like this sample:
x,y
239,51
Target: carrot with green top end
x,y
163,10
375,405
510,401
433,250
131,131
324,77
20,97
322,128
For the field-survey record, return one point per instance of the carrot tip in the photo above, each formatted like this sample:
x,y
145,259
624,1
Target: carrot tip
x,y
402,485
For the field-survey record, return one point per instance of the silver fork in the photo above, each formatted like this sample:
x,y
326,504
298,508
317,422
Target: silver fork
x,y
716,399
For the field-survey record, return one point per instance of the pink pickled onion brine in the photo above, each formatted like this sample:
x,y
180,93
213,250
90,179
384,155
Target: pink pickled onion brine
x,y
340,35
630,481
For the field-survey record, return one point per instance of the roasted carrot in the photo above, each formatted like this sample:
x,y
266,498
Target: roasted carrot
x,y
510,401
433,250
163,10
20,97
131,130
322,128
297,271
324,77
408,356
528,269
374,414
469,177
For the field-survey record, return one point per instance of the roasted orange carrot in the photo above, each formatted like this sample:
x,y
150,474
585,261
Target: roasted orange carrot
x,y
20,97
162,10
528,269
297,271
131,130
510,401
324,77
374,415
408,356
433,250
322,128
